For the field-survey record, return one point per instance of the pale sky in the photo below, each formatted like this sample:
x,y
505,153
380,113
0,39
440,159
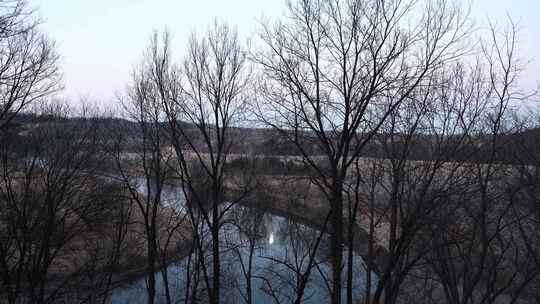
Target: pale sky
x,y
100,41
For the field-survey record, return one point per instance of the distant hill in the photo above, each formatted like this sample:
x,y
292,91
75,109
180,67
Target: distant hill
x,y
513,148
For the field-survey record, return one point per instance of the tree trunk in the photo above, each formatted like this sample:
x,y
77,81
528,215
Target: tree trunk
x,y
337,243
215,255
151,265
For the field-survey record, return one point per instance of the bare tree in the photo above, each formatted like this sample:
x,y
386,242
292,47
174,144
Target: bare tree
x,y
146,175
332,62
209,96
486,242
51,202
28,61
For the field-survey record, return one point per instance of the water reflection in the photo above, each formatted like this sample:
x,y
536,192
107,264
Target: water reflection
x,y
265,259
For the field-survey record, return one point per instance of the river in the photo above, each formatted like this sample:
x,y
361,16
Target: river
x,y
277,248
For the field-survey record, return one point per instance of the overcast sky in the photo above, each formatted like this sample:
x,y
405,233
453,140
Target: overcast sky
x,y
101,40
